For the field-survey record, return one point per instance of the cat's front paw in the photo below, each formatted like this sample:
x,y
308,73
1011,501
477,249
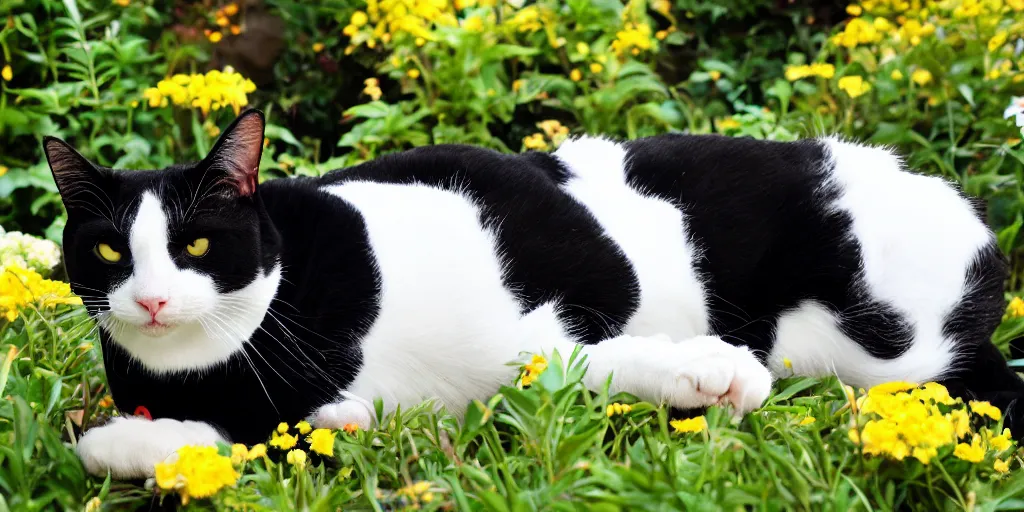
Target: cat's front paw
x,y
350,410
130,447
709,371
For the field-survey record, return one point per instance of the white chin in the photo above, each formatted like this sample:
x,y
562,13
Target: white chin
x,y
155,331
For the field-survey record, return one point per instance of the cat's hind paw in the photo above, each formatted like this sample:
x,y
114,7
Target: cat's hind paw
x,y
710,371
350,410
130,447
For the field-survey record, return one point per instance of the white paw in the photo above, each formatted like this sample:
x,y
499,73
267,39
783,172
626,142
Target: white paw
x,y
130,447
351,409
709,371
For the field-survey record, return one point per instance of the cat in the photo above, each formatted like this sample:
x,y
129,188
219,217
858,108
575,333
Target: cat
x,y
692,269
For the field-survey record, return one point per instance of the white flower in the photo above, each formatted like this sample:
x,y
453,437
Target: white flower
x,y
1016,109
29,252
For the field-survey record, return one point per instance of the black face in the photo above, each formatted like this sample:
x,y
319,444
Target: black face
x,y
154,248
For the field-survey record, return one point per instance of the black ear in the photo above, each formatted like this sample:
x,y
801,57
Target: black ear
x,y
71,171
237,152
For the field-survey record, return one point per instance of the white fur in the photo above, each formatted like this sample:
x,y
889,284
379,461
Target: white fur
x,y
447,325
129,447
917,238
204,326
650,231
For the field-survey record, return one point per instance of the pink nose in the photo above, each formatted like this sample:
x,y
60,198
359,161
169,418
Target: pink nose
x,y
152,305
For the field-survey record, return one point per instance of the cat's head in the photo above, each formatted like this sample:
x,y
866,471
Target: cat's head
x,y
178,265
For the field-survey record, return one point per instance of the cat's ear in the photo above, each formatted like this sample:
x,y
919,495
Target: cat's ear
x,y
237,152
71,171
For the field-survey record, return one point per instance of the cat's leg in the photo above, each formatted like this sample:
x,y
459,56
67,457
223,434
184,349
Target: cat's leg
x,y
130,447
687,374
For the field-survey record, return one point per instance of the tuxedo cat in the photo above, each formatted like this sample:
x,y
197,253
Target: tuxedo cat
x,y
688,267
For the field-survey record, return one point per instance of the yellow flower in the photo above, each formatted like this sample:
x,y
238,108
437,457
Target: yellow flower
x,y
596,68
633,38
1000,442
215,37
358,19
889,388
617,408
296,458
123,3
985,409
554,130
303,427
807,421
413,73
576,75
222,21
697,424
257,451
3,170
372,89
970,452
1001,466
857,31
7,73
350,428
921,76
997,41
582,48
282,428
794,73
198,472
729,123
715,74
166,476
318,47
854,85
661,35
283,441
787,363
538,363
93,504
231,9
211,91
239,454
235,30
322,441
474,24
896,75
854,10
21,286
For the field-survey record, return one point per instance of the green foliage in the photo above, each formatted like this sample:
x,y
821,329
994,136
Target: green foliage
x,y
344,81
549,446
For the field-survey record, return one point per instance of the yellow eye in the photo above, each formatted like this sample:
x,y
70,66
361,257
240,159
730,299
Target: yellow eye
x,y
198,247
107,253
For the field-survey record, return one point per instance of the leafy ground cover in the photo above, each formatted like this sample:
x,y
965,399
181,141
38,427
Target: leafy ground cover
x,y
142,84
815,445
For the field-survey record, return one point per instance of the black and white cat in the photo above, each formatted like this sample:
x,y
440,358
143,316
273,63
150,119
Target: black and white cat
x,y
689,267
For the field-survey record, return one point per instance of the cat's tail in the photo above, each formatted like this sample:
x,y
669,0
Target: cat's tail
x,y
985,375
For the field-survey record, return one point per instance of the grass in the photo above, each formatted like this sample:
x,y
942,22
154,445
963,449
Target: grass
x,y
550,446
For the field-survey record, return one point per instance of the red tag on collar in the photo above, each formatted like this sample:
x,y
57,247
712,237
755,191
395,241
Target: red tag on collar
x,y
142,411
